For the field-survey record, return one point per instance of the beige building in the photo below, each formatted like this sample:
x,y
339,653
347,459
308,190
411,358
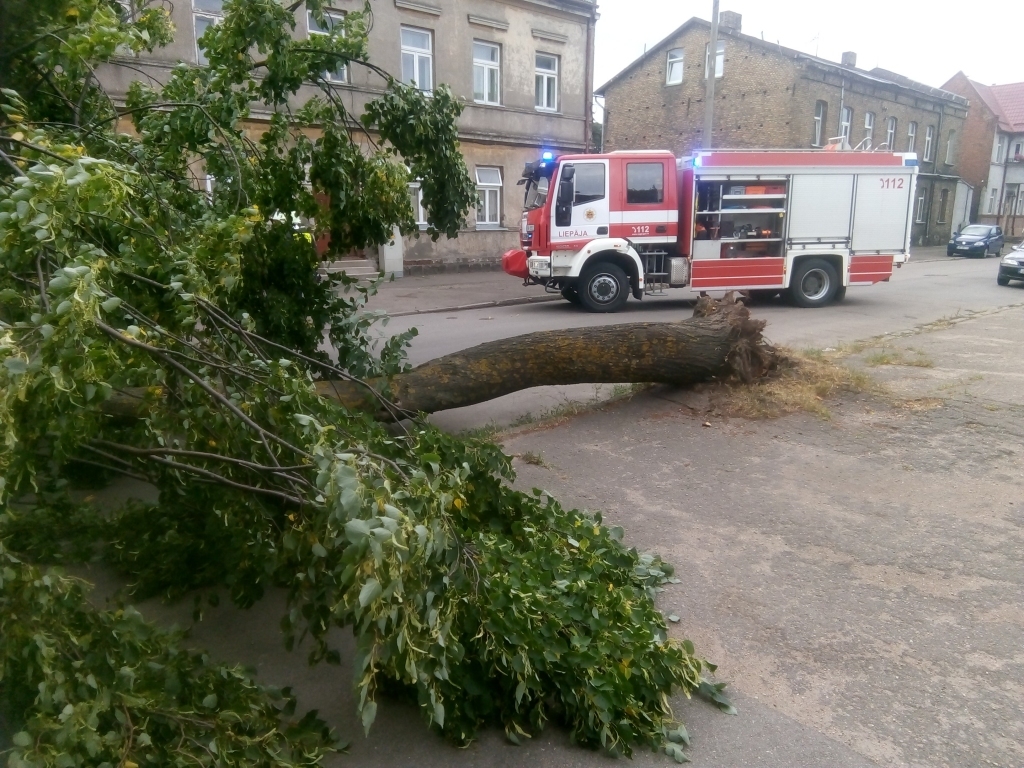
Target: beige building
x,y
523,68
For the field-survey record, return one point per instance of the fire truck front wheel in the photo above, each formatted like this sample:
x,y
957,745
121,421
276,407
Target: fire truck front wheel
x,y
570,294
815,283
603,287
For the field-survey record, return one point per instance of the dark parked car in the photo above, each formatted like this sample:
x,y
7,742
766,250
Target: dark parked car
x,y
1012,266
976,240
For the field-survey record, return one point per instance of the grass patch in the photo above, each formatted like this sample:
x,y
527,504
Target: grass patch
x,y
529,457
803,382
888,356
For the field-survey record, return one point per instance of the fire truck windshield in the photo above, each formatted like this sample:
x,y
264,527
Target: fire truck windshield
x,y
536,192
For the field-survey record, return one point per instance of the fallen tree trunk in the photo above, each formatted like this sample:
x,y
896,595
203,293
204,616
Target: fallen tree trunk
x,y
719,341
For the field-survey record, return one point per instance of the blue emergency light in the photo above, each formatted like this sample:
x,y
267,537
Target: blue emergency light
x,y
547,156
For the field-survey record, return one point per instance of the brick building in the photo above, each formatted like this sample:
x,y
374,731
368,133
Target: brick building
x,y
767,95
523,68
993,153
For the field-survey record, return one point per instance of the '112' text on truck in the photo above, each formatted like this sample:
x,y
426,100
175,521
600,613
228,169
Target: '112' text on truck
x,y
598,228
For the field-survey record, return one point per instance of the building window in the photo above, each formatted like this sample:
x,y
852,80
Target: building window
x,y
205,13
1017,151
919,217
418,58
674,67
845,121
416,201
869,129
486,73
645,183
332,20
911,136
890,134
992,200
488,190
719,58
820,121
943,203
1001,149
950,147
929,140
546,82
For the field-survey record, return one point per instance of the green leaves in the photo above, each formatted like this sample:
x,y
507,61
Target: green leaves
x,y
371,591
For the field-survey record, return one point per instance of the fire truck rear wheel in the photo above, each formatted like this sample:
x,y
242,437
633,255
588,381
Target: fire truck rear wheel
x,y
603,287
814,283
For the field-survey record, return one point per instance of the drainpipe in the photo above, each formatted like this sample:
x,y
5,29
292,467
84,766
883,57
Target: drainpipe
x,y
1002,182
842,103
588,108
935,174
709,87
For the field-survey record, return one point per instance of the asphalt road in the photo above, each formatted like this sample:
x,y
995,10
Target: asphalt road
x,y
921,292
925,290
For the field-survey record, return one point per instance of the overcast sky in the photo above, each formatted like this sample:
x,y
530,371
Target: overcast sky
x,y
918,39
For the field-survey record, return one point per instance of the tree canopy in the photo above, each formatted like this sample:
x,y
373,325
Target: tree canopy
x,y
122,276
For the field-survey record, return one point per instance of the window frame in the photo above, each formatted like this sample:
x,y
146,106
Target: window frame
x,y
929,143
943,205
845,123
487,66
214,18
891,126
418,211
1001,143
950,147
335,16
869,127
677,57
547,75
992,202
417,54
605,191
719,59
818,137
911,136
483,200
920,212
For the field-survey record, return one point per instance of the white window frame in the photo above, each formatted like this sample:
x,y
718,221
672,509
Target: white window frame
x,y
1018,150
487,66
674,61
1000,149
418,54
418,211
911,136
545,76
890,134
719,59
820,113
214,18
920,212
339,75
929,143
992,200
943,211
845,123
950,147
869,127
488,209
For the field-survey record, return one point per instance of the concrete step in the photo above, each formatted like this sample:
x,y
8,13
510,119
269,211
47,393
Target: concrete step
x,y
351,267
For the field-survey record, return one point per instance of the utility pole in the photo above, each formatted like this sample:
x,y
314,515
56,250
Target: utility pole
x,y
709,89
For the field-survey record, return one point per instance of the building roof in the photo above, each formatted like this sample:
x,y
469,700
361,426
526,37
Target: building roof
x,y
877,75
1010,99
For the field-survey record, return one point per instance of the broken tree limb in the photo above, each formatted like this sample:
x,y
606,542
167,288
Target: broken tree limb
x,y
721,340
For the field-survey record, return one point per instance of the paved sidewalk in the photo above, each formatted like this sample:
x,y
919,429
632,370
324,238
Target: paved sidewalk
x,y
455,291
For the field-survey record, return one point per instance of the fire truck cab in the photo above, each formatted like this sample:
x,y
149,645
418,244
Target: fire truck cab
x,y
597,228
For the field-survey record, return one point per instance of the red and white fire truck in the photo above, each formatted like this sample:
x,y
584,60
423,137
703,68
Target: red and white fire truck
x,y
808,223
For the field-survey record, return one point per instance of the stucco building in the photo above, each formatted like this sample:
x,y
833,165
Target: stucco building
x,y
767,95
523,67
993,154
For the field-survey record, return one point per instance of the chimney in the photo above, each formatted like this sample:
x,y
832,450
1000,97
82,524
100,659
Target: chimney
x,y
730,20
849,60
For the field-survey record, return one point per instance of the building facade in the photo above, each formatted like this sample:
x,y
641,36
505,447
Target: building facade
x,y
522,67
993,157
770,96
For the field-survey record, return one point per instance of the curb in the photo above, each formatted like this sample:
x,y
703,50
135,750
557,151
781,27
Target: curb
x,y
480,305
